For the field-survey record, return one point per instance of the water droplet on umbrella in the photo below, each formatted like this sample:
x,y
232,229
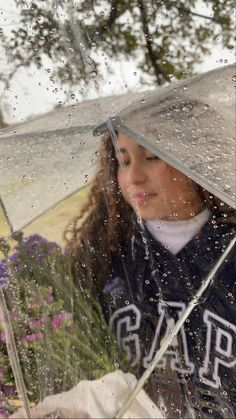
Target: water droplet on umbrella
x,y
89,60
186,109
93,74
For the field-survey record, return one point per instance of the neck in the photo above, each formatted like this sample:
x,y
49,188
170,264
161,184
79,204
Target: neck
x,y
186,213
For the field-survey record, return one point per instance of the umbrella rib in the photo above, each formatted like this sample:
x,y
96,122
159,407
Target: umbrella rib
x,y
70,130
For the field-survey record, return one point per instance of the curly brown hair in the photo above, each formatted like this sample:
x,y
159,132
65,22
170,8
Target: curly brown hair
x,y
103,225
106,222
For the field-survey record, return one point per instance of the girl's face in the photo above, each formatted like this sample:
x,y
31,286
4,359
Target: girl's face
x,y
152,187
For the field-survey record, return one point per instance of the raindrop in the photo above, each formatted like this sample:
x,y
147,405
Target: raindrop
x,y
102,13
1,30
127,302
93,74
234,78
89,61
143,101
135,73
185,87
206,107
96,84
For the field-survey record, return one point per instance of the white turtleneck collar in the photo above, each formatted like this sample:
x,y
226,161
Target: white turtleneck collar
x,y
176,234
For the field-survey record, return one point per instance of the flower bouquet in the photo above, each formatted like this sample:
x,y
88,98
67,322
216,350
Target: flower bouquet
x,y
60,334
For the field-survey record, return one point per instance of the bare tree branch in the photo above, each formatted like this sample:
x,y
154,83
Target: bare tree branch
x,y
112,18
189,12
157,68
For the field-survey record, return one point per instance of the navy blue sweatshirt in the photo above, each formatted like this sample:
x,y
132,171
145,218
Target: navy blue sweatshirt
x,y
149,289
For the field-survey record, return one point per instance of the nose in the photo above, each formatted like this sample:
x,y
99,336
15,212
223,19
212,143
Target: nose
x,y
135,174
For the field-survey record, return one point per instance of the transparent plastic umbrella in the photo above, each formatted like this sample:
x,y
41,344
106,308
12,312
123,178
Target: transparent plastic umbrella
x,y
188,124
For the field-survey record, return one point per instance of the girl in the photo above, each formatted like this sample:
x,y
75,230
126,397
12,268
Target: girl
x,y
143,243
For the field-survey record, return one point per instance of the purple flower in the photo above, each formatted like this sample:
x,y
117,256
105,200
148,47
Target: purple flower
x,y
3,337
37,247
34,336
3,412
50,297
8,390
14,257
58,319
114,287
4,272
38,322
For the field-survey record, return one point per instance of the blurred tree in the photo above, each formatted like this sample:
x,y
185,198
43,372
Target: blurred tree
x,y
166,38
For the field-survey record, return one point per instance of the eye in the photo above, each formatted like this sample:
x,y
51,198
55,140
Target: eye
x,y
123,163
153,157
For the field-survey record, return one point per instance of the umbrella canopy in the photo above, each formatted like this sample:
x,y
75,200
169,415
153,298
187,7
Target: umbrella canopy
x,y
45,160
190,125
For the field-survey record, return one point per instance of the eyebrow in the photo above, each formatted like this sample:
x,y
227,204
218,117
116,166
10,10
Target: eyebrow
x,y
123,150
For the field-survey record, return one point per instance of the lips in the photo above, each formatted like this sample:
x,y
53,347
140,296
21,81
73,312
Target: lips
x,y
142,197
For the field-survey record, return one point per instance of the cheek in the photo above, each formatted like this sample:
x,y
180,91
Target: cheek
x,y
170,181
179,184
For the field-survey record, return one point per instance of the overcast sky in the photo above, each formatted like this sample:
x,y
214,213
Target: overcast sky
x,y
33,93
